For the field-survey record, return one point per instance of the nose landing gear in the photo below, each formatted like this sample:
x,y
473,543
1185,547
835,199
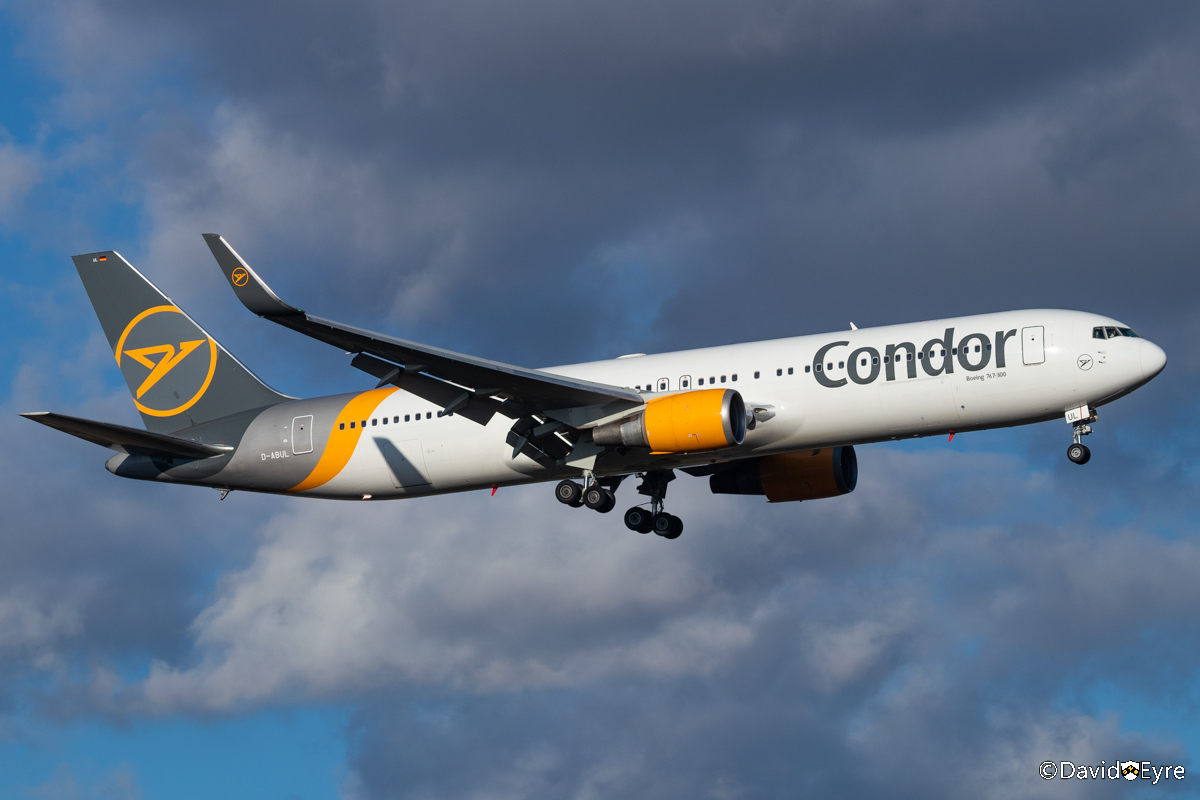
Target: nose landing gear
x,y
1079,418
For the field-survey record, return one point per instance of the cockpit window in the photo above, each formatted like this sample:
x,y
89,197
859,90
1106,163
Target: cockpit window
x,y
1129,333
1112,332
1098,333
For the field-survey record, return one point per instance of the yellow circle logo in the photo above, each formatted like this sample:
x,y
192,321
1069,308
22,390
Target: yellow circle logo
x,y
162,359
240,276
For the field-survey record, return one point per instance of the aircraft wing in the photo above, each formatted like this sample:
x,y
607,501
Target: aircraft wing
x,y
127,440
413,366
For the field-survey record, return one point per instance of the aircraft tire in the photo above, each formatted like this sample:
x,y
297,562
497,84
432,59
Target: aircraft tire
x,y
569,493
599,499
638,519
667,525
1079,453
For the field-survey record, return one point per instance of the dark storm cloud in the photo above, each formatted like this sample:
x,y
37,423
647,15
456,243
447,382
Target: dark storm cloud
x,y
483,174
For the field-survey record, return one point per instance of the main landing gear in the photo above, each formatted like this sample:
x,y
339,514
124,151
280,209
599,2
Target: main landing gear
x,y
596,497
602,498
654,485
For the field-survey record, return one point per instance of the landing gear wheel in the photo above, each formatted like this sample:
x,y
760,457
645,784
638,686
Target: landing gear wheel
x,y
599,499
639,519
667,525
677,530
569,493
1079,453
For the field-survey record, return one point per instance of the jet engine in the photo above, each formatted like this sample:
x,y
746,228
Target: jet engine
x,y
706,419
807,475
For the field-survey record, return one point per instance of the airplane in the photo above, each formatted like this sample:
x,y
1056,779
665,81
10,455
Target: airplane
x,y
778,419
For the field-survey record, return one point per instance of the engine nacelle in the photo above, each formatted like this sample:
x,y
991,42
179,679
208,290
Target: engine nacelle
x,y
807,475
706,419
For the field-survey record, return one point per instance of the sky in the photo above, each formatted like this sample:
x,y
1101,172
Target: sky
x,y
554,182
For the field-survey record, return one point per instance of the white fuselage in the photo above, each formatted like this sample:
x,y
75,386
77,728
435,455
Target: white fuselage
x,y
865,391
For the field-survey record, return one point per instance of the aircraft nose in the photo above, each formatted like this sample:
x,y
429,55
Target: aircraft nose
x,y
1153,359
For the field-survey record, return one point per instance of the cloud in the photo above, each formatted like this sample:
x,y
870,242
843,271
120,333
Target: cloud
x,y
19,173
833,630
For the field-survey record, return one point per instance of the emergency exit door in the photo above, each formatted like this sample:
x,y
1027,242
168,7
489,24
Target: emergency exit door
x,y
302,435
1033,345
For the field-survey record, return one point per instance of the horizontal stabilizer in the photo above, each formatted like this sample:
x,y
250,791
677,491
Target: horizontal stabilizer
x,y
127,440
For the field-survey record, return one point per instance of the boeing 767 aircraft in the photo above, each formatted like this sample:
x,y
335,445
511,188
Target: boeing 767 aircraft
x,y
777,418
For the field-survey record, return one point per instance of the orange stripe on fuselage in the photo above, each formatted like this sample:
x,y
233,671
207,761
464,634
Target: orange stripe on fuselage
x,y
341,443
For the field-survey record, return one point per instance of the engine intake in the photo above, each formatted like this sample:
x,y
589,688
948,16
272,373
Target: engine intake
x,y
707,419
807,475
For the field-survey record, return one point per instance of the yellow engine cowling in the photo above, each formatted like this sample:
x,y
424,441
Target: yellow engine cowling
x,y
807,475
707,419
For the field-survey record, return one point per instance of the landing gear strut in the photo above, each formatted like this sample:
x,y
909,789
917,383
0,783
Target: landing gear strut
x,y
654,485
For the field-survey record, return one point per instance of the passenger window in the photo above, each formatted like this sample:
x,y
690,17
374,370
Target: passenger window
x,y
364,423
700,382
685,382
887,360
841,365
919,356
711,380
828,366
722,379
374,422
428,415
385,420
807,368
351,426
863,363
789,370
396,419
818,367
406,418
943,353
734,376
976,348
755,376
778,372
910,356
954,351
874,361
341,426
989,347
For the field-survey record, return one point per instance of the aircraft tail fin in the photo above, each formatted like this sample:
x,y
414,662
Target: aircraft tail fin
x,y
179,376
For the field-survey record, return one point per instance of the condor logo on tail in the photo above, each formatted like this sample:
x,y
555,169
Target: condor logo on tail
x,y
155,393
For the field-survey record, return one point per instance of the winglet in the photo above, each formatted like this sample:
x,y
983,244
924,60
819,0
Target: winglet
x,y
249,288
